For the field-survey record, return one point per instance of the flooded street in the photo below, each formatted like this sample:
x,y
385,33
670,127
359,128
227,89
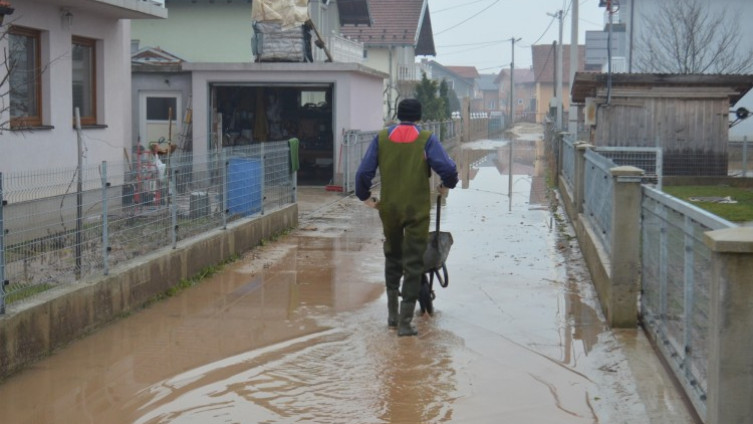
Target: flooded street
x,y
296,330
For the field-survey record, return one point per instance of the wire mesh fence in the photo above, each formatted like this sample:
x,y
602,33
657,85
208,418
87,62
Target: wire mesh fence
x,y
355,144
599,188
568,160
649,159
676,278
60,226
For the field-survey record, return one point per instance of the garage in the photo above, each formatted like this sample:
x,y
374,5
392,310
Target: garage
x,y
250,113
236,104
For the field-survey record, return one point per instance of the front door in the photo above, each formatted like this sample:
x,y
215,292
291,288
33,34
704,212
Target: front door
x,y
157,117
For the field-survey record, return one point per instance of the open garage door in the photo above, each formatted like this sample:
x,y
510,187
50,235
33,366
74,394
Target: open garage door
x,y
248,113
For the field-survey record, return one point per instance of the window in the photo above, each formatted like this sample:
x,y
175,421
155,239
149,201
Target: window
x,y
25,78
161,108
84,79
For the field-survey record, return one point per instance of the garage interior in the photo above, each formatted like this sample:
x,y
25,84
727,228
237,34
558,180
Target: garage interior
x,y
249,114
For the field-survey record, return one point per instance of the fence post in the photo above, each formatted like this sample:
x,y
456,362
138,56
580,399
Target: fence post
x,y
105,233
225,165
622,306
2,250
745,156
730,366
263,175
579,178
173,196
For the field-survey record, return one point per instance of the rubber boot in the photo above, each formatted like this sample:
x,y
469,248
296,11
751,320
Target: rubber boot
x,y
404,327
392,303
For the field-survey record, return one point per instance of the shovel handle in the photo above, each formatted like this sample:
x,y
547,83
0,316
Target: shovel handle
x,y
439,209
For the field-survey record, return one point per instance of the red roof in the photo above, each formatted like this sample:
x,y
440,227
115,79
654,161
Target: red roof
x,y
469,72
522,75
544,58
396,22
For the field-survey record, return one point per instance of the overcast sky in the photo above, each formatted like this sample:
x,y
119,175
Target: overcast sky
x,y
478,32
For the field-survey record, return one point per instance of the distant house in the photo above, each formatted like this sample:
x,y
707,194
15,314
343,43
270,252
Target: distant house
x,y
462,79
68,57
238,101
490,101
525,94
685,115
400,31
544,62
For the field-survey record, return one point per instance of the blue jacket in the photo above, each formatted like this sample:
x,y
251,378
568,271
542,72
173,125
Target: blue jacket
x,y
436,156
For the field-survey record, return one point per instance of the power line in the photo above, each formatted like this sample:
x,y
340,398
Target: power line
x,y
468,19
456,6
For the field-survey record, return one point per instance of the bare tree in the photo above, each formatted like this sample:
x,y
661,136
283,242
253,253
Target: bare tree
x,y
5,67
686,37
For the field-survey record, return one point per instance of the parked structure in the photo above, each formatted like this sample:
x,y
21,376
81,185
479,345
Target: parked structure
x,y
685,115
68,54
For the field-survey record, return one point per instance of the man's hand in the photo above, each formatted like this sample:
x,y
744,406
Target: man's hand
x,y
443,191
371,202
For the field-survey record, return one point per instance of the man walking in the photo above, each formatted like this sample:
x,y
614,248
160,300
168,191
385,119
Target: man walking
x,y
404,156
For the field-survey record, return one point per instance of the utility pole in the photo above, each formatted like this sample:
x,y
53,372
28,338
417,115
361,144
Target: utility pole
x,y
572,121
558,73
512,83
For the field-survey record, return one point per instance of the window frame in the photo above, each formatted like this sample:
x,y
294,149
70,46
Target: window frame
x,y
31,120
91,44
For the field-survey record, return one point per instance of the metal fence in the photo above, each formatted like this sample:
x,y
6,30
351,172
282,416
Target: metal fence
x,y
568,159
676,277
649,159
59,226
599,187
356,142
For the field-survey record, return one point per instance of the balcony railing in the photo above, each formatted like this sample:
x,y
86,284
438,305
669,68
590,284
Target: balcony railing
x,y
342,50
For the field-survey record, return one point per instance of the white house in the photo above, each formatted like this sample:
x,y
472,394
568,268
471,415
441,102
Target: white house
x,y
400,31
66,54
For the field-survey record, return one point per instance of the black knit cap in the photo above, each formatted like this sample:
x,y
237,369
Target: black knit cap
x,y
409,110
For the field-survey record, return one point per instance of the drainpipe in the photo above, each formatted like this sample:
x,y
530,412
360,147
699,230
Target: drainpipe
x,y
390,85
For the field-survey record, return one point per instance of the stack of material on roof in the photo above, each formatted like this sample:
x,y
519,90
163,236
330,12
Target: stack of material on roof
x,y
281,33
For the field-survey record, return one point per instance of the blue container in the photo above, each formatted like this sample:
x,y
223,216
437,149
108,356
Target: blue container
x,y
244,193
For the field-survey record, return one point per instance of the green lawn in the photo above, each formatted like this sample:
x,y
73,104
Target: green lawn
x,y
742,211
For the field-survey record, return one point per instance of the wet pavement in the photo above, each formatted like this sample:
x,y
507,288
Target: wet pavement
x,y
295,331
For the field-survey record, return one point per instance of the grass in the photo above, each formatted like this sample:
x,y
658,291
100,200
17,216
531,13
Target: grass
x,y
20,293
742,211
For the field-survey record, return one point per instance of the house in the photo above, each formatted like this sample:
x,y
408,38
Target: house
x,y
525,94
461,79
736,14
235,100
687,116
400,31
68,54
489,101
544,67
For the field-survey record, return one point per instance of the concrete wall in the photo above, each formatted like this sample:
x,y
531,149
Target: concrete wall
x,y
617,280
34,329
201,31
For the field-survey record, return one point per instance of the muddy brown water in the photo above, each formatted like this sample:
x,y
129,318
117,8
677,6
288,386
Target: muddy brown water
x,y
295,331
